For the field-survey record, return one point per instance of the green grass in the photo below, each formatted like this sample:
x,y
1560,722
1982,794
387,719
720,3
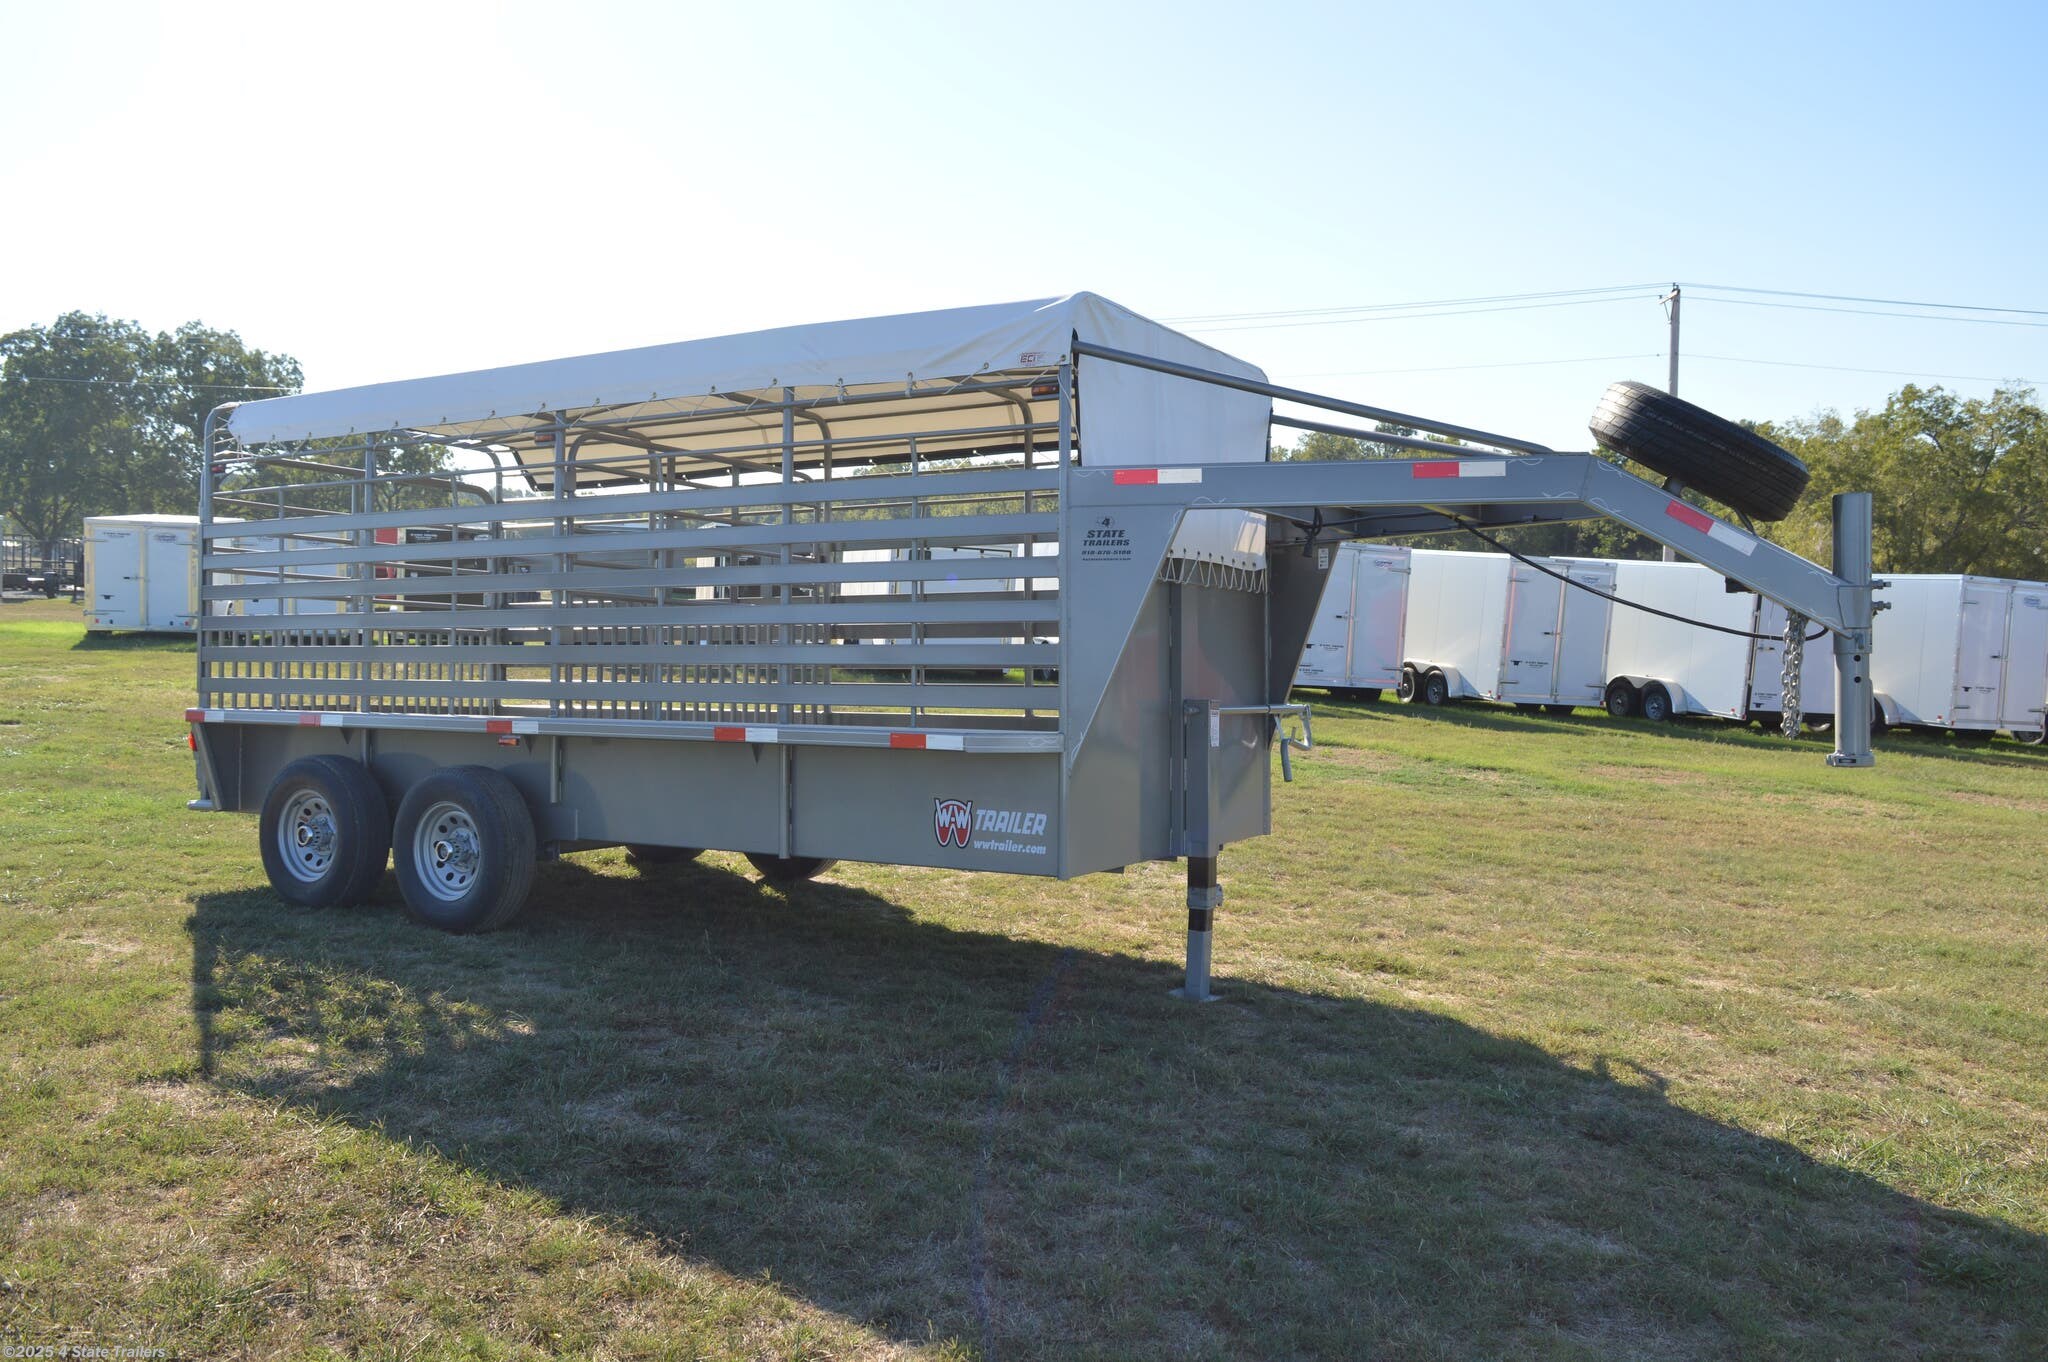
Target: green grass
x,y
1545,1038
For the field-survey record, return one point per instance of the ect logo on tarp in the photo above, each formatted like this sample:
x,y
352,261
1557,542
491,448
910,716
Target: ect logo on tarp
x,y
952,819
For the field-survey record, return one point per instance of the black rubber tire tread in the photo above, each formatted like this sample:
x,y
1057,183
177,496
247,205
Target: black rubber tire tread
x,y
2032,737
1736,467
639,854
789,869
1437,684
509,849
1650,699
1404,689
363,818
1619,700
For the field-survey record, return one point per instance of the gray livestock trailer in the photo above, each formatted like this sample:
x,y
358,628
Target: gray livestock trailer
x,y
648,617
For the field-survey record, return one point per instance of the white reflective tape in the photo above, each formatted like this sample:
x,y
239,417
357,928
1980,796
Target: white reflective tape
x,y
1180,475
1482,468
944,742
1732,537
526,725
333,720
761,735
214,716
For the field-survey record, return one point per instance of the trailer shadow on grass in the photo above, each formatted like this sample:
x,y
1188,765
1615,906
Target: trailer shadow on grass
x,y
953,1133
1721,732
96,642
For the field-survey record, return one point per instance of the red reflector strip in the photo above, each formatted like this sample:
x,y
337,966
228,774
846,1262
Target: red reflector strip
x,y
906,740
728,735
1134,477
1686,515
195,716
497,725
192,740
309,721
1434,470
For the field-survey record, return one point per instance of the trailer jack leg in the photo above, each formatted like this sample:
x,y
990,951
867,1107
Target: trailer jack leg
x,y
1204,894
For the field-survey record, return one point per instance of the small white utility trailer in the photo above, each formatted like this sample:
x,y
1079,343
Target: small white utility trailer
x,y
500,697
1968,654
142,573
1354,646
1486,626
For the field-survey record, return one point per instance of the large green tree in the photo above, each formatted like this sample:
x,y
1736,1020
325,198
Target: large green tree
x,y
100,416
1957,484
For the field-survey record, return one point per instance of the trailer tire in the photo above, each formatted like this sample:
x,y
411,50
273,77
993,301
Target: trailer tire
x,y
1404,689
325,832
1655,704
1620,699
1435,689
1701,450
643,855
789,869
1879,724
464,850
2032,737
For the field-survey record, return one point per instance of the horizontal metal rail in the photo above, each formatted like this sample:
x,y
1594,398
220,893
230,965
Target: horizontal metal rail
x,y
853,610
851,493
866,657
947,530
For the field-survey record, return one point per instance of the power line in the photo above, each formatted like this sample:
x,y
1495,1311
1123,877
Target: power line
x,y
1415,316
1503,364
1395,307
1868,312
1890,373
1883,302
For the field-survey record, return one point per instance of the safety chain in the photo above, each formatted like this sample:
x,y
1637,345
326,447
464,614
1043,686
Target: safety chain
x,y
1795,656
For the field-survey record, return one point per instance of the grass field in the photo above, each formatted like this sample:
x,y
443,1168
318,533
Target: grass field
x,y
1545,1038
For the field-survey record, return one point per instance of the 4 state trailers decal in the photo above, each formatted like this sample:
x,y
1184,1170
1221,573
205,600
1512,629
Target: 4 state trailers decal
x,y
956,822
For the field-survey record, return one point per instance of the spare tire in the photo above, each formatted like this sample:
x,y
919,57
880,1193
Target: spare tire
x,y
1736,467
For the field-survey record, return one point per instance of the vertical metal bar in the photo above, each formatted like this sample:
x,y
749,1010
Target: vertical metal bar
x,y
557,597
782,633
1200,735
1852,645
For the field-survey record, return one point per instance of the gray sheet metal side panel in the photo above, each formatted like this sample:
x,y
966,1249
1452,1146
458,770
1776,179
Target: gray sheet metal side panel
x,y
994,812
1120,787
1222,658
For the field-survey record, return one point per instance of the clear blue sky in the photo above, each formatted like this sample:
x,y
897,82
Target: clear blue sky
x,y
413,189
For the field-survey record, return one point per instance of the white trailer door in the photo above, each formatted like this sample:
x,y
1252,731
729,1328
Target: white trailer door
x,y
1379,615
1325,658
1535,605
1980,654
2023,691
1580,674
167,578
113,556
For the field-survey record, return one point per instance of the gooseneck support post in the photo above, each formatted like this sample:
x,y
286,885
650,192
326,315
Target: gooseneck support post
x,y
1852,645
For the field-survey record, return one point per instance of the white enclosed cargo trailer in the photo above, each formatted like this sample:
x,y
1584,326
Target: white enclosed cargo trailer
x,y
1969,654
1659,667
574,688
142,573
1354,646
1485,626
1457,615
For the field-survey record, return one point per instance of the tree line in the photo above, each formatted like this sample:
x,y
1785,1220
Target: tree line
x,y
1957,485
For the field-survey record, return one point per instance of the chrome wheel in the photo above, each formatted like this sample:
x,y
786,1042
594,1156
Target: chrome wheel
x,y
447,853
306,836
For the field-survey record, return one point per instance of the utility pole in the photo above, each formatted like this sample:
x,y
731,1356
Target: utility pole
x,y
1670,301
